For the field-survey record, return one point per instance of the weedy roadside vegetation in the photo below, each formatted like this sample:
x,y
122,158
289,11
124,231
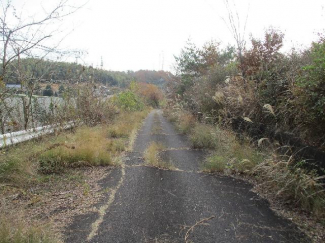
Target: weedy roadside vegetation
x,y
292,185
273,174
184,121
37,163
125,123
86,147
242,97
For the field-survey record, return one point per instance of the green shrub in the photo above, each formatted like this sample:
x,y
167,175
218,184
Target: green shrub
x,y
129,101
312,82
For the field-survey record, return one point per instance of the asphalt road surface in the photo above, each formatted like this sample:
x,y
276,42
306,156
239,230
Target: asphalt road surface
x,y
147,204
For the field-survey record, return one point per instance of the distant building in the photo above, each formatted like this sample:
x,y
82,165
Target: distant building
x,y
13,86
102,90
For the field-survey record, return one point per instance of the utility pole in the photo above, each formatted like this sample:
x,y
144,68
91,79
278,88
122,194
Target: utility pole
x,y
101,62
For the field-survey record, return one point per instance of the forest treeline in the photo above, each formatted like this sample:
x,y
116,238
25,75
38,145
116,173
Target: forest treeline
x,y
51,71
259,91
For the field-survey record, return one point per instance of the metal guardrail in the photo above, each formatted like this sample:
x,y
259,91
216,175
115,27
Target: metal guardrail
x,y
25,135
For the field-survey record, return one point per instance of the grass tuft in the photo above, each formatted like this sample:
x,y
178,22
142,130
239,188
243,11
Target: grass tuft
x,y
204,136
90,147
17,164
215,163
156,128
186,122
151,153
292,185
151,156
119,130
233,157
14,232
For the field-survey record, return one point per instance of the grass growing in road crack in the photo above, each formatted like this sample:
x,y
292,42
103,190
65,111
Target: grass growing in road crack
x,y
151,156
156,128
275,176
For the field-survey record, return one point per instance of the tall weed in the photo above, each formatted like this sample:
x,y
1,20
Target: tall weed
x,y
186,122
232,156
292,185
204,136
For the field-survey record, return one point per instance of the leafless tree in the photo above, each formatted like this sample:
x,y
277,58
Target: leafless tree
x,y
31,36
236,28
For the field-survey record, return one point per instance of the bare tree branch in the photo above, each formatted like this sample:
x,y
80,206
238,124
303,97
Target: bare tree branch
x,y
234,26
20,37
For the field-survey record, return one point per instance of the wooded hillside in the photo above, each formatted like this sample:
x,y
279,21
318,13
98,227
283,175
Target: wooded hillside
x,y
56,72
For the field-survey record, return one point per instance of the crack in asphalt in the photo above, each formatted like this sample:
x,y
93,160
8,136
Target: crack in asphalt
x,y
103,209
153,204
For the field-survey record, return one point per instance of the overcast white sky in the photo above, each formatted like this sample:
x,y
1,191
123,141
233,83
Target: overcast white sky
x,y
146,34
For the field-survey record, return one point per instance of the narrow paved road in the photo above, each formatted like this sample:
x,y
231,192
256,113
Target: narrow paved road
x,y
147,204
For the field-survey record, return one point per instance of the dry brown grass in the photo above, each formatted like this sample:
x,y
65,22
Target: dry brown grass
x,y
17,230
124,123
156,128
184,121
151,156
292,185
26,174
86,147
